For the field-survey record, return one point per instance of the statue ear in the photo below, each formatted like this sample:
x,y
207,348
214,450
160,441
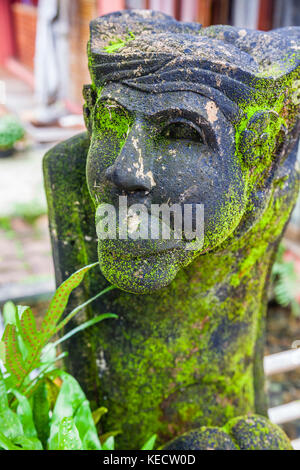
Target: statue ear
x,y
263,133
90,97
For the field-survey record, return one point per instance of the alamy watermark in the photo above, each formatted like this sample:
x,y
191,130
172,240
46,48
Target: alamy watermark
x,y
162,222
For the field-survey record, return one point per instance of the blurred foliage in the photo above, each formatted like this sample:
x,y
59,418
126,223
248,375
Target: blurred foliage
x,y
11,130
29,211
285,282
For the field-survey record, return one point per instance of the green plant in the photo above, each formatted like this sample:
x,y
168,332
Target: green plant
x,y
11,131
24,345
41,406
285,283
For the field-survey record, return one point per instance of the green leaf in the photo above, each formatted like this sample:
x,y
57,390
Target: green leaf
x,y
52,392
25,414
28,443
109,444
60,300
90,442
48,358
72,403
6,443
106,435
10,424
85,325
9,313
149,445
80,307
3,394
13,358
48,353
69,399
98,413
68,436
33,385
2,352
28,328
41,410
84,422
14,361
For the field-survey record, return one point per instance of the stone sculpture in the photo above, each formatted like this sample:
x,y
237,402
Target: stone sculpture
x,y
179,114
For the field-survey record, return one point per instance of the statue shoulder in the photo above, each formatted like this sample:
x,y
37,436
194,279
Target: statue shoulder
x,y
73,150
70,209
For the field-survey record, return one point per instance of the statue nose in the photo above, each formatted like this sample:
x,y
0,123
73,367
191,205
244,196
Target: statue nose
x,y
132,169
127,179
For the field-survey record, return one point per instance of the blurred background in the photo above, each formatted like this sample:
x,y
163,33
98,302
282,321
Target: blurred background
x,y
43,66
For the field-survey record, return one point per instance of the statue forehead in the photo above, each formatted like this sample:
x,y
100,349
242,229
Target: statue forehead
x,y
130,46
151,104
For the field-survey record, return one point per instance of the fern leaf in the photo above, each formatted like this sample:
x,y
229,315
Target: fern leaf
x,y
60,300
3,394
28,328
13,357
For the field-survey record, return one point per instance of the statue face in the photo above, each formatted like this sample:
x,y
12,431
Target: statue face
x,y
170,148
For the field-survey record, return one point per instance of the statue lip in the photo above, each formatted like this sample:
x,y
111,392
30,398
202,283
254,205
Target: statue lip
x,y
132,246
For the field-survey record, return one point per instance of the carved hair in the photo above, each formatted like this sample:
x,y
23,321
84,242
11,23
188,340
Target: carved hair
x,y
226,64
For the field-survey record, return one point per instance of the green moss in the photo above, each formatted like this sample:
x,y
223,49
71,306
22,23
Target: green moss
x,y
111,120
255,432
116,44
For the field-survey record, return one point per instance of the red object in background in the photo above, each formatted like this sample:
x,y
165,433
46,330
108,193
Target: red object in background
x,y
177,9
107,6
204,12
265,15
7,44
25,22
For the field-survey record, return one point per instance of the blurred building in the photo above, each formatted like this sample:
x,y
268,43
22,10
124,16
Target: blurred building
x,y
19,39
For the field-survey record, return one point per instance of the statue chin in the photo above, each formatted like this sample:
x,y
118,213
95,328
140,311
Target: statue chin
x,y
141,274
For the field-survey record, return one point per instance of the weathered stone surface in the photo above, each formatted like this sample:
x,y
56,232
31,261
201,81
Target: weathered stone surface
x,y
245,433
180,114
203,439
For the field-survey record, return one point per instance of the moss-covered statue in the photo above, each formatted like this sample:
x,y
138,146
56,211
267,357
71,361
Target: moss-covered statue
x,y
179,114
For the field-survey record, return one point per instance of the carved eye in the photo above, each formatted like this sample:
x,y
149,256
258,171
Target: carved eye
x,y
184,131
